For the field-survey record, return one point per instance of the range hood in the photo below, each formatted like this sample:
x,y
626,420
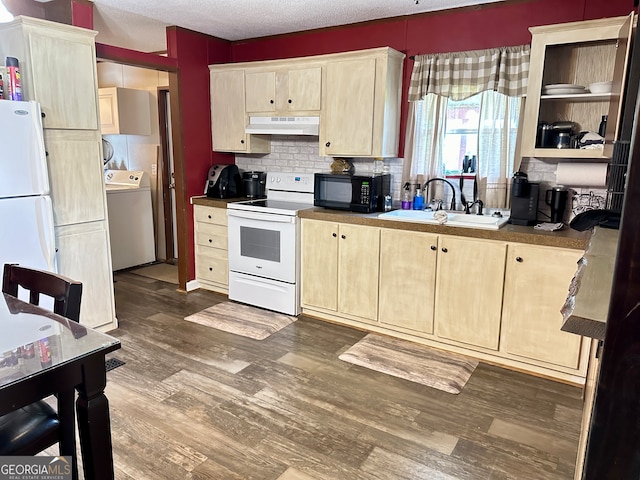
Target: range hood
x,y
283,125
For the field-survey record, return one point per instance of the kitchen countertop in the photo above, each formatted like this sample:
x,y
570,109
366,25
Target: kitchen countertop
x,y
566,238
215,202
587,306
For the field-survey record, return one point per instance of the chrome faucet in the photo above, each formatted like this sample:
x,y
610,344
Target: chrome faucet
x,y
453,189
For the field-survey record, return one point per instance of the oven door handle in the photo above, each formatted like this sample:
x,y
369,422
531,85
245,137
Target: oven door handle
x,y
265,217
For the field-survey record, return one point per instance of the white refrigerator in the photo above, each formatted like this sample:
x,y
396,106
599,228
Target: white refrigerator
x,y
26,215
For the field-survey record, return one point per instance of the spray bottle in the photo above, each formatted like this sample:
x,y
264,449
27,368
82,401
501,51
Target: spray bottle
x,y
406,197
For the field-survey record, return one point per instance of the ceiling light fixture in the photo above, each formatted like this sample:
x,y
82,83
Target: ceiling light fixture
x,y
5,15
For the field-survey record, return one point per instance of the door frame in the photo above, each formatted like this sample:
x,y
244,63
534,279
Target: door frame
x,y
163,92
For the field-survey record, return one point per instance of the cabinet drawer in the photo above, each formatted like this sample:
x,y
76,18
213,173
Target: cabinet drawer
x,y
213,215
209,235
212,265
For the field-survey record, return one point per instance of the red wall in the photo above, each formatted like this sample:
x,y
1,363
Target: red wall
x,y
194,52
492,25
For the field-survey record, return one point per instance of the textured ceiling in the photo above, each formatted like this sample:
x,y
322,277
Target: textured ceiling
x,y
140,24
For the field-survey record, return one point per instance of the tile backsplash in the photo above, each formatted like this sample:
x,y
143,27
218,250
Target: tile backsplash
x,y
301,153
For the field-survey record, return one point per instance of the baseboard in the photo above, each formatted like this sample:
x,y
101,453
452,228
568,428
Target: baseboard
x,y
192,285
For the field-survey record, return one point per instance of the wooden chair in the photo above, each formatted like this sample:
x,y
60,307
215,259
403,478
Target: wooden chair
x,y
35,427
65,292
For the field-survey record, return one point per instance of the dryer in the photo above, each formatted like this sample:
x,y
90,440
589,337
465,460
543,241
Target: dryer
x,y
130,218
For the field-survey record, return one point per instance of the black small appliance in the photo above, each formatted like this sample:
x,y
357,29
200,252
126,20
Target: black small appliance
x,y
556,198
254,184
524,200
556,135
223,181
357,193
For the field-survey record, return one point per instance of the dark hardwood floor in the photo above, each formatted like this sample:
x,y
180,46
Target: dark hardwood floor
x,y
197,403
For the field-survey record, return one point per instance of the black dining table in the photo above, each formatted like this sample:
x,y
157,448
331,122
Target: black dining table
x,y
42,354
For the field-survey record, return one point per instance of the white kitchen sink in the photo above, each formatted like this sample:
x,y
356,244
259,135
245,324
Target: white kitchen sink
x,y
454,219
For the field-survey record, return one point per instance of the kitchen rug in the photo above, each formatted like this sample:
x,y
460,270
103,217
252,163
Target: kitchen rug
x,y
414,362
242,320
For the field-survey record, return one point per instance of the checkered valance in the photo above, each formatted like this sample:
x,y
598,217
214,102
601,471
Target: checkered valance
x,y
460,75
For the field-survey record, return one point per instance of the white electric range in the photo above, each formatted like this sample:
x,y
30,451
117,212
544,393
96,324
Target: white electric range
x,y
264,244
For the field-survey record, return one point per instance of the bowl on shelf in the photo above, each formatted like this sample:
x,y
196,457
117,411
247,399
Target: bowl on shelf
x,y
600,87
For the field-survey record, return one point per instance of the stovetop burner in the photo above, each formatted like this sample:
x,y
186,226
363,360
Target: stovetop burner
x,y
287,193
270,206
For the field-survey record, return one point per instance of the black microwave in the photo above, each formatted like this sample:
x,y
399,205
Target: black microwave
x,y
357,193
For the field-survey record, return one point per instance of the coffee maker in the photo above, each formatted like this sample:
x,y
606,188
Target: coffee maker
x,y
524,200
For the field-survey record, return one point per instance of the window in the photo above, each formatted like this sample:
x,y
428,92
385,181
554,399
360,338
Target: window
x,y
487,121
461,133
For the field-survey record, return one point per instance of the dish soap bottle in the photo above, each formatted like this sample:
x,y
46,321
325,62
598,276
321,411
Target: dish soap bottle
x,y
406,197
418,199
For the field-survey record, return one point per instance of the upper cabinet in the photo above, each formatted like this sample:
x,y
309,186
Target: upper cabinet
x,y
355,94
63,84
283,91
228,116
361,105
124,111
579,53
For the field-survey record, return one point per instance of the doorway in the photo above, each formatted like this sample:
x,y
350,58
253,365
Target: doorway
x,y
150,152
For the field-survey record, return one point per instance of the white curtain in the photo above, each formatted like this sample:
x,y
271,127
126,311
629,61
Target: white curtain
x,y
497,135
426,124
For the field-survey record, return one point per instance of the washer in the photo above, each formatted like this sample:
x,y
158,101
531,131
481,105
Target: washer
x,y
130,218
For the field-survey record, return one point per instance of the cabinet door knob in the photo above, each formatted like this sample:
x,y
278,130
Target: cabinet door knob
x,y
334,235
343,236
43,115
271,102
242,141
434,248
444,250
210,241
210,269
519,259
290,101
209,217
328,144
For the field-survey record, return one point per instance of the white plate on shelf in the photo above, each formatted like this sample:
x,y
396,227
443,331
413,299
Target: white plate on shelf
x,y
563,89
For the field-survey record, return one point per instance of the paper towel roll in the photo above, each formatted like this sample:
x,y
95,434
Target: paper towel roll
x,y
582,174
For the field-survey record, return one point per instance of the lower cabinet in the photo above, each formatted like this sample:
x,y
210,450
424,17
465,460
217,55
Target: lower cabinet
x,y
499,301
469,290
407,279
83,255
211,255
535,289
340,268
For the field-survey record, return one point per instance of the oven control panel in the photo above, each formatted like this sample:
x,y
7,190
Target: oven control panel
x,y
290,181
